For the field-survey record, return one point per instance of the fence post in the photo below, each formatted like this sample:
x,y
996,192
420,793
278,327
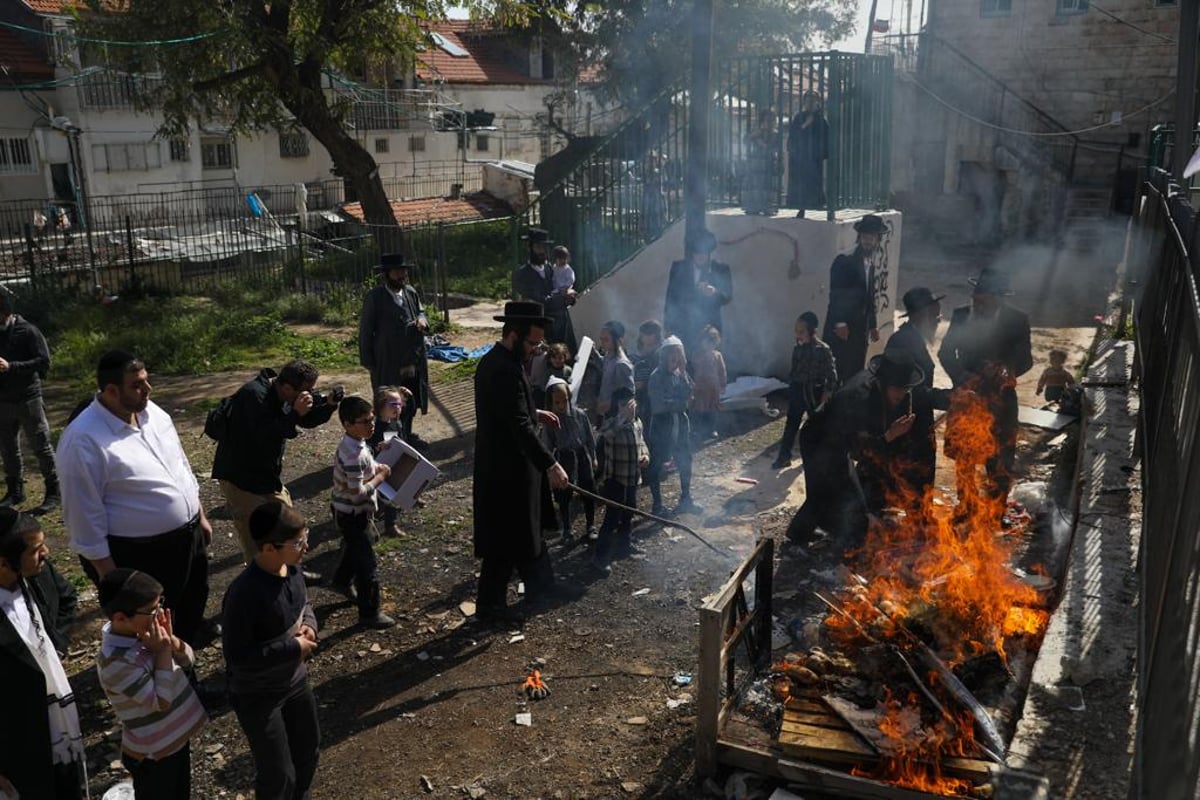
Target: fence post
x,y
441,271
29,253
303,274
129,247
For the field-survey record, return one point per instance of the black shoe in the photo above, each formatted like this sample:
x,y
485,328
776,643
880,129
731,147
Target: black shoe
x,y
15,494
687,506
781,463
417,443
499,615
346,590
378,621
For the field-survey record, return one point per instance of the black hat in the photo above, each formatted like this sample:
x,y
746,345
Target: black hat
x,y
124,590
896,368
703,242
390,261
871,223
918,298
524,311
537,236
991,281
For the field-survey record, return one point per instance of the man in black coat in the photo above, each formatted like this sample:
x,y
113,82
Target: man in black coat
x,y
865,450
24,362
985,350
533,282
41,747
513,468
850,321
391,339
697,288
265,413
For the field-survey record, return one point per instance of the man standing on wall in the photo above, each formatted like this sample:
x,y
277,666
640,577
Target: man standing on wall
x,y
850,322
24,362
697,289
533,282
391,339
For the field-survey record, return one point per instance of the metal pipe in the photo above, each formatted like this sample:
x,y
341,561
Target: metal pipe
x,y
699,102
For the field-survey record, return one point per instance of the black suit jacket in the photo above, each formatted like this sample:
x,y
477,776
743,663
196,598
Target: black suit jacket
x,y
908,339
851,296
529,286
971,344
688,309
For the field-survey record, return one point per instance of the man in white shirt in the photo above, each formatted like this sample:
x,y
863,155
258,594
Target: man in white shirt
x,y
130,498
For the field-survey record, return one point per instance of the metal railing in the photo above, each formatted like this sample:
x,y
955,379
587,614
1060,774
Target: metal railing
x,y
1167,326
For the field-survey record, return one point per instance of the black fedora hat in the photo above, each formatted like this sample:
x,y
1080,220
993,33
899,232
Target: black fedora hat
x,y
390,261
896,368
537,236
524,311
991,281
871,223
918,298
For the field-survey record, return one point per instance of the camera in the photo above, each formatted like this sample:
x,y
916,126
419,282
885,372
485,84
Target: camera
x,y
332,397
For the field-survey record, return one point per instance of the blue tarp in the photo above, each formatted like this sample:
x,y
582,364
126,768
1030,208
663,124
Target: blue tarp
x,y
453,353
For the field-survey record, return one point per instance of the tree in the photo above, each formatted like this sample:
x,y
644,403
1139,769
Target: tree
x,y
645,45
262,64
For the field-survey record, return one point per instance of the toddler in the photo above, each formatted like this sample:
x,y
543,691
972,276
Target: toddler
x,y
389,405
708,372
1055,379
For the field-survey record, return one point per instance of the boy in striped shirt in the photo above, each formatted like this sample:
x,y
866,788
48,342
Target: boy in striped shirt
x,y
141,667
356,476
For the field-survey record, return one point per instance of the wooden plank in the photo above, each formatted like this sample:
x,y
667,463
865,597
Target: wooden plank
x,y
819,718
827,744
839,784
708,692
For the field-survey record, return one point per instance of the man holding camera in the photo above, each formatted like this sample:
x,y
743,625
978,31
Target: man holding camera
x,y
391,339
264,414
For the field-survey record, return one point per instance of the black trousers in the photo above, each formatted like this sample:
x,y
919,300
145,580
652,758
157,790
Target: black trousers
x,y
167,778
358,561
617,522
849,354
798,406
285,740
670,437
28,416
495,572
578,466
179,561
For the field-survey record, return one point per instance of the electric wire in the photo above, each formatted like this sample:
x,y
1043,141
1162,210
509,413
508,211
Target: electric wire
x,y
114,42
1126,22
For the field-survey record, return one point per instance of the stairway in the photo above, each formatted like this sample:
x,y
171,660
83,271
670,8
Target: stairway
x,y
1085,218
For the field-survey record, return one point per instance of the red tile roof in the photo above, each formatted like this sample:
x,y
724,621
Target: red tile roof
x,y
21,59
486,61
51,6
474,206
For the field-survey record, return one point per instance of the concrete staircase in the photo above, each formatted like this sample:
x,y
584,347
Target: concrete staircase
x,y
1085,218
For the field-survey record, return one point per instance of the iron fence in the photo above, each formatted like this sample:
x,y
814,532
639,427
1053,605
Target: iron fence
x,y
1167,325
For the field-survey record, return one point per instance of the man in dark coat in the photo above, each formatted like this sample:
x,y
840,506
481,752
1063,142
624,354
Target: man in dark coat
x,y
24,362
808,147
923,310
697,288
513,468
864,451
985,350
391,339
41,747
533,282
850,321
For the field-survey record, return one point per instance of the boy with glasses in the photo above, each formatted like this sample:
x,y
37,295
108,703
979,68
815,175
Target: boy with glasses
x,y
270,632
141,668
356,476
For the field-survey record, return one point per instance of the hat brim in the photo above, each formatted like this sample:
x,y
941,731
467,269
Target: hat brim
x,y
990,289
937,298
542,321
381,268
915,378
870,227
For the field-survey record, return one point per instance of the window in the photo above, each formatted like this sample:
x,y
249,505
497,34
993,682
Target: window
x,y
1066,7
127,156
995,8
481,143
293,145
181,150
216,154
16,155
1166,2
416,144
382,144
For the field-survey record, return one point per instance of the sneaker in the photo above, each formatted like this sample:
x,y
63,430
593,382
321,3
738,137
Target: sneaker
x,y
781,463
659,510
346,590
377,622
392,531
687,506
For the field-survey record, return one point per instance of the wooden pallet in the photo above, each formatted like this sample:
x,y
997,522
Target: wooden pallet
x,y
813,731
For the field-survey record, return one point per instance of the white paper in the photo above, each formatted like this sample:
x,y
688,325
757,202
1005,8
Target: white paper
x,y
411,473
581,361
1193,165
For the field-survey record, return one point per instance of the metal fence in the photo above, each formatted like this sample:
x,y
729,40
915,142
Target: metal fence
x,y
1167,324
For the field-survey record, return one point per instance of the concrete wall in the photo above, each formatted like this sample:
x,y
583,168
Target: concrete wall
x,y
1081,69
780,268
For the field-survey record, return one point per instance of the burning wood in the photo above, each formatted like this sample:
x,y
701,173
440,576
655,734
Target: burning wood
x,y
535,688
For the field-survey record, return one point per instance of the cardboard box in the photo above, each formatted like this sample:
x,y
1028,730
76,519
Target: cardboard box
x,y
411,473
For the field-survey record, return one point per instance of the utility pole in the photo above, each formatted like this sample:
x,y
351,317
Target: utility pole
x,y
1185,91
871,25
699,102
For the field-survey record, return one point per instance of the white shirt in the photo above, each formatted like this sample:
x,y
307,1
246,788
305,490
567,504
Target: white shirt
x,y
123,481
16,608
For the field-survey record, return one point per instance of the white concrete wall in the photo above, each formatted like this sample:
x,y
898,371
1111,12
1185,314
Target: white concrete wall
x,y
780,269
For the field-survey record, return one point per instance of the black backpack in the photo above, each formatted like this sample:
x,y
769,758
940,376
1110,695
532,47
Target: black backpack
x,y
216,424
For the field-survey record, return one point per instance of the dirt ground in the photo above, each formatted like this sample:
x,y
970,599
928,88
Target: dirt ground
x,y
428,708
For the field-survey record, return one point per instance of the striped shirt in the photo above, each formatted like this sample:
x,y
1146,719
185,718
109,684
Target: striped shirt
x,y
158,708
353,467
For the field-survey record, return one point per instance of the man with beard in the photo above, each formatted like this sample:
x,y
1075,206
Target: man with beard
x,y
391,339
923,310
697,289
985,350
513,468
130,498
41,746
850,320
533,282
